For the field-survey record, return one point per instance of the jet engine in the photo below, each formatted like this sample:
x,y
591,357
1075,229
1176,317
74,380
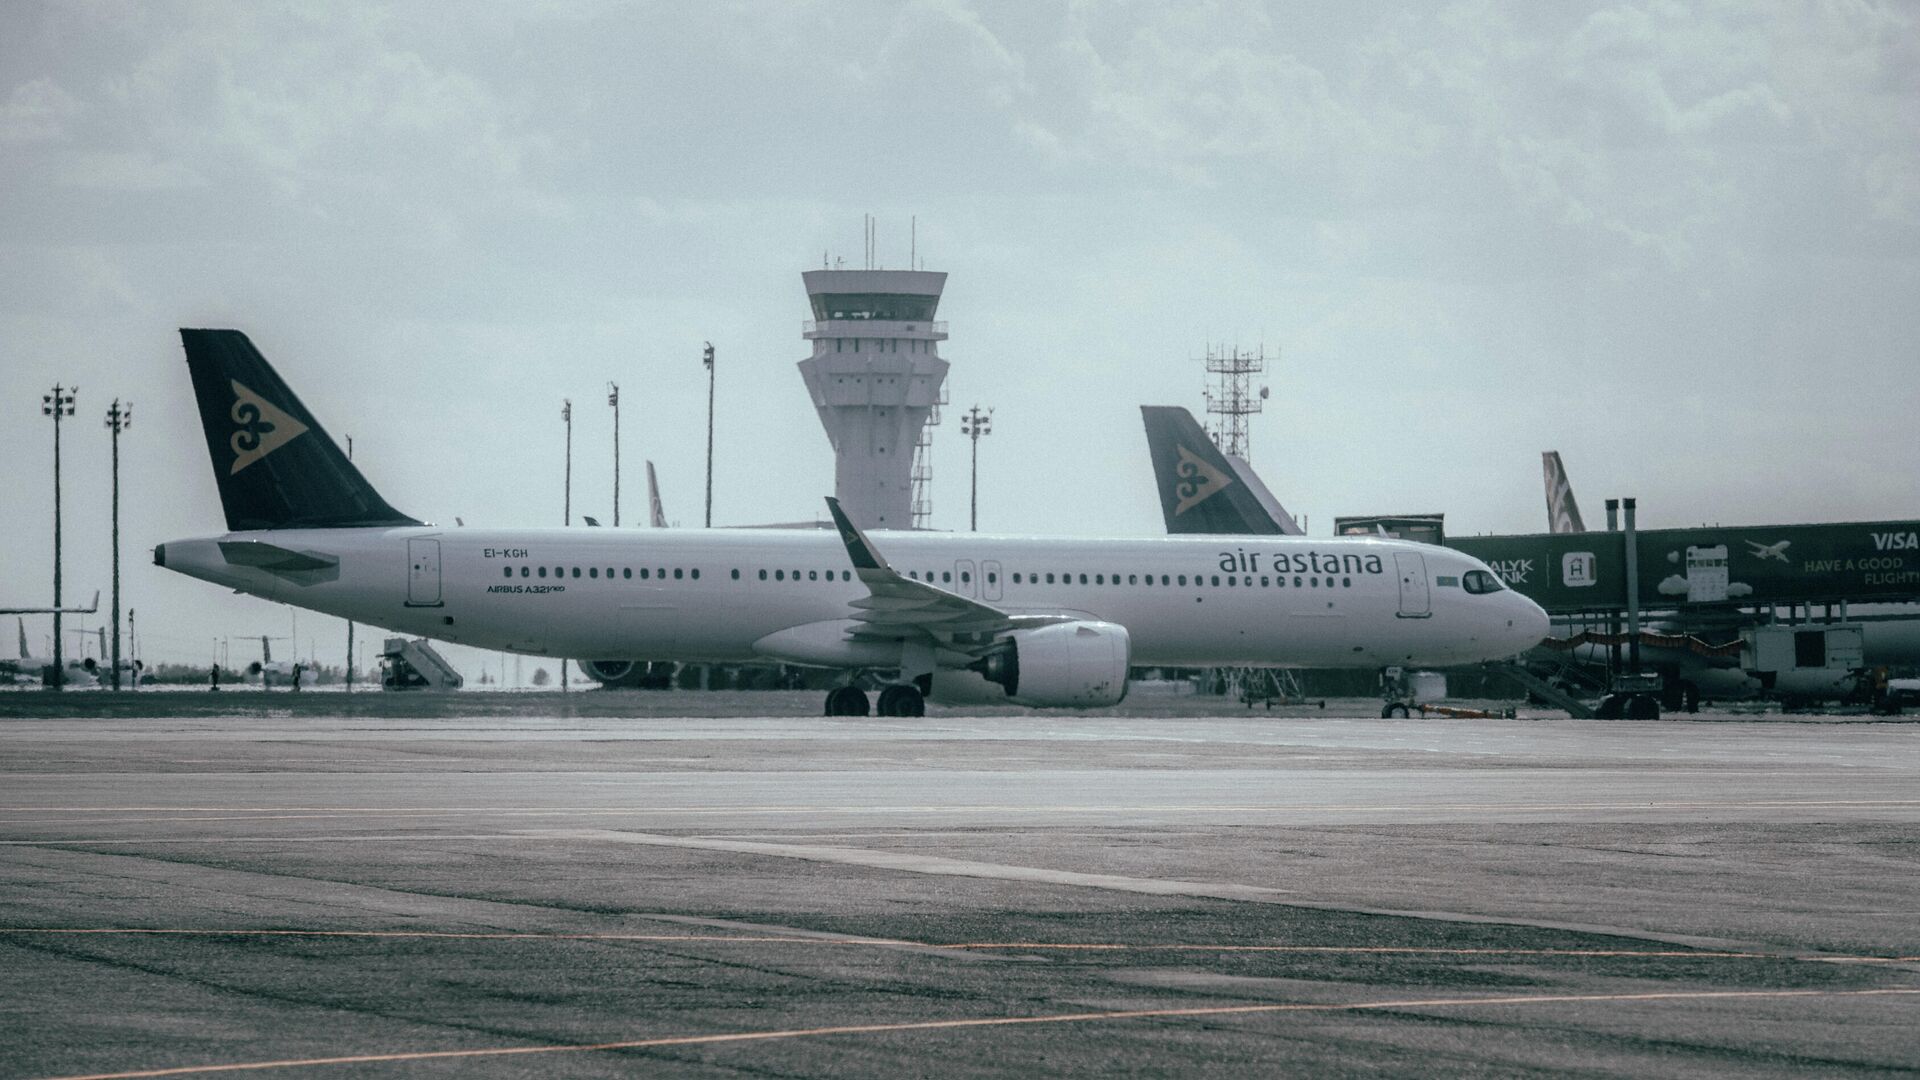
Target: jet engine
x,y
630,674
1066,665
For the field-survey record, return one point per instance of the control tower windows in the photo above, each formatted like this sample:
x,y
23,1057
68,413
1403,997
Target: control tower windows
x,y
894,307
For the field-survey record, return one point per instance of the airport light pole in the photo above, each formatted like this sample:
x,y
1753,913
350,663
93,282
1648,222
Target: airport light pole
x,y
566,414
973,425
349,621
58,404
613,399
119,419
706,358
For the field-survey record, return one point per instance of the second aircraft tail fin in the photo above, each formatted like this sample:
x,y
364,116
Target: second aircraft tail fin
x,y
275,466
1203,490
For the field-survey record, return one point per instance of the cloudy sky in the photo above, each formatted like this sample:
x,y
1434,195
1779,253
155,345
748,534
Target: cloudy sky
x,y
1680,243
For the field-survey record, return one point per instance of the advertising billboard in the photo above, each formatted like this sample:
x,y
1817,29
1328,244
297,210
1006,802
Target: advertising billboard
x,y
1858,562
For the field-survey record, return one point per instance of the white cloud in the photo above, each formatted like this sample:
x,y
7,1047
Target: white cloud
x,y
37,111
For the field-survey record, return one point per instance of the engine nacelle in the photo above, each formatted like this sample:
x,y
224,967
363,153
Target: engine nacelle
x,y
1066,665
630,674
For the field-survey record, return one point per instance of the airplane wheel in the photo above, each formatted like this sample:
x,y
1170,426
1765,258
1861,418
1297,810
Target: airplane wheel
x,y
847,701
901,699
1643,707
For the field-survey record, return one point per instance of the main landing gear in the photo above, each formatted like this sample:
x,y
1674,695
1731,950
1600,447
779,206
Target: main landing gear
x,y
902,699
899,699
846,701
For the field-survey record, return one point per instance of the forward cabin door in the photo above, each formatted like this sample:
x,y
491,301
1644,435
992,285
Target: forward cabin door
x,y
423,573
963,582
1416,602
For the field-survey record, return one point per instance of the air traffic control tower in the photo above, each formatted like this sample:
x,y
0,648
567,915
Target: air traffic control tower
x,y
875,374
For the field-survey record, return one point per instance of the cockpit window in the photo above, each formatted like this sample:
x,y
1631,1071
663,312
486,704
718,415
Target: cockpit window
x,y
1480,581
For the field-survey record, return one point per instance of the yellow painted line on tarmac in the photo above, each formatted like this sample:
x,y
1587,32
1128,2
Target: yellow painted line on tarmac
x,y
961,946
999,1021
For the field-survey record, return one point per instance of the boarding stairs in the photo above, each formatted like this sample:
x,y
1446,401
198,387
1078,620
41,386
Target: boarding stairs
x,y
1544,690
415,665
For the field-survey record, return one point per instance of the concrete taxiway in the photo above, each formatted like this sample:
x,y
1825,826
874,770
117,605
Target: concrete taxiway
x,y
314,895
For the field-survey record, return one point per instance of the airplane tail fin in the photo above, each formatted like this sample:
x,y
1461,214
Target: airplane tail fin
x,y
275,466
22,624
656,513
1563,514
1201,490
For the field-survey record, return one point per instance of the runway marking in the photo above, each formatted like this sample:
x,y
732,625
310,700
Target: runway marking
x,y
961,946
214,814
998,1021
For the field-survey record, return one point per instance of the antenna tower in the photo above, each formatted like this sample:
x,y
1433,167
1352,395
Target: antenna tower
x,y
1232,397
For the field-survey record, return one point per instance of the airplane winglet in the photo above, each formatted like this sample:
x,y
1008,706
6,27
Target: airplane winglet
x,y
859,548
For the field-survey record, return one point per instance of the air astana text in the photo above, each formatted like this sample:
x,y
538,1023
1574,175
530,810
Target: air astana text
x,y
1300,562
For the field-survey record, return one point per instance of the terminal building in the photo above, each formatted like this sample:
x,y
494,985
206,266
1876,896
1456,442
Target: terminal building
x,y
876,376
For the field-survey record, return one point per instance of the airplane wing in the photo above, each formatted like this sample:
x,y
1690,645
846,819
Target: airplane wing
x,y
50,610
896,604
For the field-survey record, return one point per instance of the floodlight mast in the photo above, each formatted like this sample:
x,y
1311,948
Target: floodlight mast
x,y
973,425
707,359
119,418
59,405
613,399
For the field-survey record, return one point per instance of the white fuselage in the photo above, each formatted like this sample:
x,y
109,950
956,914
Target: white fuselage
x,y
711,595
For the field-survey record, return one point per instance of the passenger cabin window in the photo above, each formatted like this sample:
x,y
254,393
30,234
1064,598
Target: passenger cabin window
x,y
1480,581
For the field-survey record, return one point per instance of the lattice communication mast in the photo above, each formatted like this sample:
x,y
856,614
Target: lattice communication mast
x,y
1233,397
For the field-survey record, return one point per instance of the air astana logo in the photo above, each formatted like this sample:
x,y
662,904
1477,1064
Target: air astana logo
x,y
1198,481
259,428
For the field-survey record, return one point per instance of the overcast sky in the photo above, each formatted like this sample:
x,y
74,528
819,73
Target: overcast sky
x,y
1680,243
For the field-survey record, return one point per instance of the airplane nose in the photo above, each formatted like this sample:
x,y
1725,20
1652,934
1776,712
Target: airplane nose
x,y
1530,624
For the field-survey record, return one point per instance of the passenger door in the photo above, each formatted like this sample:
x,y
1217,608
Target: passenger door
x,y
1416,601
423,573
990,583
963,582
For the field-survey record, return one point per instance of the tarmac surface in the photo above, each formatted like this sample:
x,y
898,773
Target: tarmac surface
x,y
297,892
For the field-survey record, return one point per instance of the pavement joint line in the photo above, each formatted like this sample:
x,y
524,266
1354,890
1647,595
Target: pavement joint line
x,y
999,1021
1035,946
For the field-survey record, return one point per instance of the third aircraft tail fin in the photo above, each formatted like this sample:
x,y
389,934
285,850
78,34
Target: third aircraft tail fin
x,y
1563,514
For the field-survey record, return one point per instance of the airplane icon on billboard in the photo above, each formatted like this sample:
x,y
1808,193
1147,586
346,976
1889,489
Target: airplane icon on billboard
x,y
1768,551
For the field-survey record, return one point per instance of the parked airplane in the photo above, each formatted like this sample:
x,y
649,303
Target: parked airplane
x,y
1046,622
268,670
28,668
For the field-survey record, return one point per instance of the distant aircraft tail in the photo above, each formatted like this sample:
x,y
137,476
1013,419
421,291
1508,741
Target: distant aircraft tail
x,y
657,514
1563,514
22,624
1203,490
275,466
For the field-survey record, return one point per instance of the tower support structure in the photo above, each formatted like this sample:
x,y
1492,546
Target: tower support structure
x,y
876,378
